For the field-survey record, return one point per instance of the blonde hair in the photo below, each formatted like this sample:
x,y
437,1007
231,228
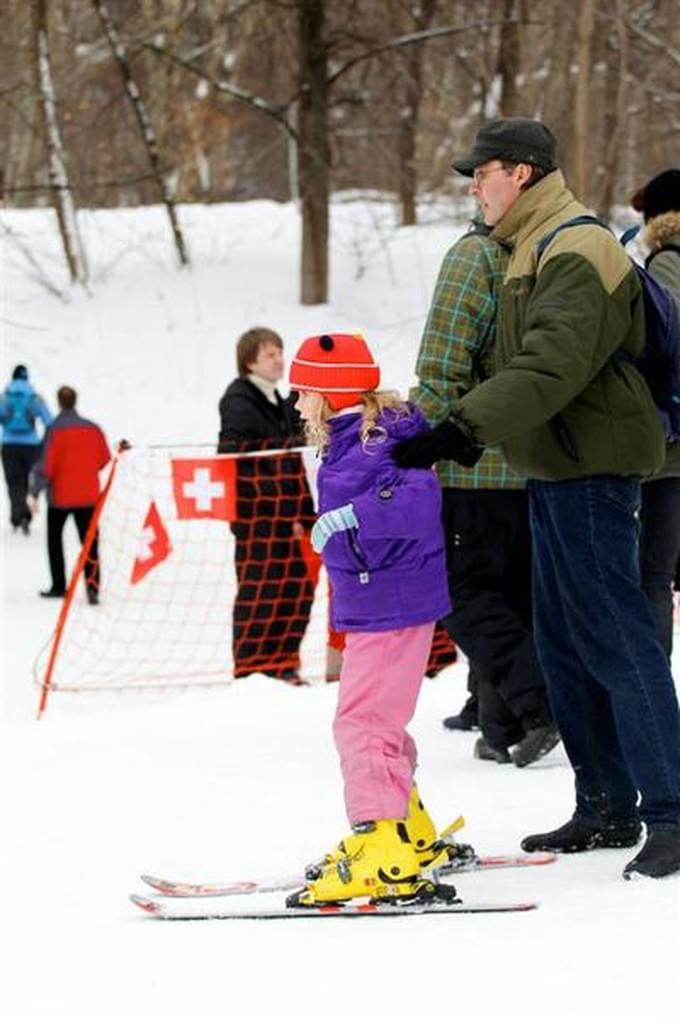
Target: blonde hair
x,y
374,403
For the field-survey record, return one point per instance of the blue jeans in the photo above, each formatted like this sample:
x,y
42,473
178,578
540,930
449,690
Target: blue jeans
x,y
608,678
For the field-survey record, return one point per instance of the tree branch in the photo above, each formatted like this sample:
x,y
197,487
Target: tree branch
x,y
653,40
413,38
249,98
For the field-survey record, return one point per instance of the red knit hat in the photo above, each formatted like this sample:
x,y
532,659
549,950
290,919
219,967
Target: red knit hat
x,y
338,365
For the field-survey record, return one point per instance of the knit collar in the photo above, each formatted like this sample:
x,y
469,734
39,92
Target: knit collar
x,y
265,386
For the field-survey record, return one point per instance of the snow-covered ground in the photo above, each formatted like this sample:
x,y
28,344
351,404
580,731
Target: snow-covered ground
x,y
243,781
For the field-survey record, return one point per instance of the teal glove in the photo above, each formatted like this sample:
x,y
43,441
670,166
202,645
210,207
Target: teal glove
x,y
332,521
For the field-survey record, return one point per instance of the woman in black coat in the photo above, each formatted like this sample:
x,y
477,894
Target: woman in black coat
x,y
274,511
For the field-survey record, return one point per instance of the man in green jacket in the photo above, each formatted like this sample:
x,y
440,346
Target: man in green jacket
x,y
570,410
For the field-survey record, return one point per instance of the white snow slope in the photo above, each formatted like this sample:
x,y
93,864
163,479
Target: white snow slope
x,y
243,781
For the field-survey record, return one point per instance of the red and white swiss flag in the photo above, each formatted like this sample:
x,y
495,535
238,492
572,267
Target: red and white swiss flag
x,y
205,488
154,545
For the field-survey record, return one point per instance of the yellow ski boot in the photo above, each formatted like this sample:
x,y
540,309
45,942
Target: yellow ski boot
x,y
434,850
377,861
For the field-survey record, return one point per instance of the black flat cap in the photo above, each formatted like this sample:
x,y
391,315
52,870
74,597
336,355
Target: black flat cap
x,y
518,139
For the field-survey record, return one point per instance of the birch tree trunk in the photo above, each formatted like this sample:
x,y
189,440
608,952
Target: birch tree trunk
x,y
60,188
145,126
313,153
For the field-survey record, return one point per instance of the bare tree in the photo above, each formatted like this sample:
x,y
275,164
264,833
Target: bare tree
x,y
583,101
616,111
313,155
145,126
60,188
422,13
510,62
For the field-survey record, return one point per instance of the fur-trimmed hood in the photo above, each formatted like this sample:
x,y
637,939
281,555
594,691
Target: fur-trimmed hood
x,y
662,229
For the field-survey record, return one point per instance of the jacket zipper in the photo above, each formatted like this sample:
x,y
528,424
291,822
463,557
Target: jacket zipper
x,y
364,575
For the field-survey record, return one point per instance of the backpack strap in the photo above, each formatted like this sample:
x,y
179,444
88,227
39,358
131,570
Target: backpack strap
x,y
629,233
657,251
577,221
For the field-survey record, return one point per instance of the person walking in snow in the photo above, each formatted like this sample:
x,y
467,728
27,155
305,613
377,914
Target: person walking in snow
x,y
20,408
659,203
570,410
74,453
380,536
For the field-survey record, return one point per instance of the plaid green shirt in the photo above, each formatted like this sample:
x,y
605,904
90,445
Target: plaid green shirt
x,y
455,350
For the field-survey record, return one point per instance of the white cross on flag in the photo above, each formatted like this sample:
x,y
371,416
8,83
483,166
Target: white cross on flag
x,y
154,545
205,488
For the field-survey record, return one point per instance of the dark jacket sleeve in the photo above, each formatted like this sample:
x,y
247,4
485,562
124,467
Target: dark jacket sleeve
x,y
239,420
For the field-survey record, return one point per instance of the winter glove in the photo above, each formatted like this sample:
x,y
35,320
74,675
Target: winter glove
x,y
444,442
332,521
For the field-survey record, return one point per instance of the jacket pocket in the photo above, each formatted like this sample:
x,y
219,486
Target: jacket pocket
x,y
565,438
624,492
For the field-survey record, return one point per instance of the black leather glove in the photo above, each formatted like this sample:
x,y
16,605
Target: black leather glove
x,y
444,442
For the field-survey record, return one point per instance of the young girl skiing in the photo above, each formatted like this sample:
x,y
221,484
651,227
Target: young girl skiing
x,y
380,535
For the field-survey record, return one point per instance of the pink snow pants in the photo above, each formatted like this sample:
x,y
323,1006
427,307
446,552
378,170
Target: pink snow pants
x,y
380,681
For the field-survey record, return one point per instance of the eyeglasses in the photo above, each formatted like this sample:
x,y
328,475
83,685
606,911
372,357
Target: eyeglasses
x,y
479,175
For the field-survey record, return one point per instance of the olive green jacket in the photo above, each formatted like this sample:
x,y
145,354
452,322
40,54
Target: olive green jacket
x,y
560,403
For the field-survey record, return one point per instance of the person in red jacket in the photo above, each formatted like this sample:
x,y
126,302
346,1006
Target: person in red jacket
x,y
74,453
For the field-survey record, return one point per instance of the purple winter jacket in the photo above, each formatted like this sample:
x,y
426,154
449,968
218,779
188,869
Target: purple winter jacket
x,y
390,572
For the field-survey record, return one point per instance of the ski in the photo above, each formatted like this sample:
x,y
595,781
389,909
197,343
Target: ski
x,y
175,911
178,889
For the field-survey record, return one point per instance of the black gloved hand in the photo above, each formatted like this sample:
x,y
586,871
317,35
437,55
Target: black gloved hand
x,y
444,442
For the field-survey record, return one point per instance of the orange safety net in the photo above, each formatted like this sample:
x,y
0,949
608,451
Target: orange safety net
x,y
205,572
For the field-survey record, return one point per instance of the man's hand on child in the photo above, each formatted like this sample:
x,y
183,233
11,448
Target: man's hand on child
x,y
444,442
331,522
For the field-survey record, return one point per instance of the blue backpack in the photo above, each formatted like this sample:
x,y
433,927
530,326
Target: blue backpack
x,y
659,363
20,417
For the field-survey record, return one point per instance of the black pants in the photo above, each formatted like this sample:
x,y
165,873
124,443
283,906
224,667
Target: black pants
x,y
488,545
273,599
17,461
56,519
660,551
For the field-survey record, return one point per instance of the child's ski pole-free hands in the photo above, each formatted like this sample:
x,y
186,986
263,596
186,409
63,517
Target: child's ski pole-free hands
x,y
331,522
444,442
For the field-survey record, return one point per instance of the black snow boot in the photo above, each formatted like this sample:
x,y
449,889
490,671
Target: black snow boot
x,y
467,718
660,856
536,743
485,752
578,835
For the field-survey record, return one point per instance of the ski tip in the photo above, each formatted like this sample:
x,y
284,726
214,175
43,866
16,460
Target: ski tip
x,y
147,905
160,884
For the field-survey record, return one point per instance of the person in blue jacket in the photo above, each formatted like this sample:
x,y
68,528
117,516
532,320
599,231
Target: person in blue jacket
x,y
20,408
